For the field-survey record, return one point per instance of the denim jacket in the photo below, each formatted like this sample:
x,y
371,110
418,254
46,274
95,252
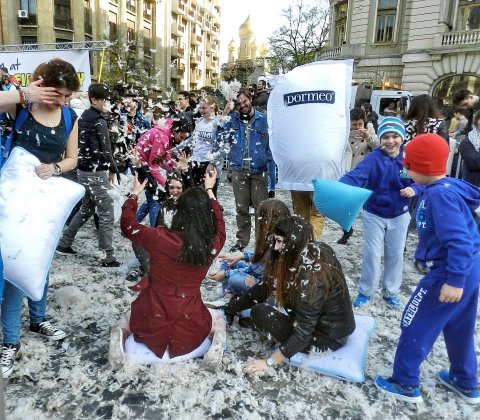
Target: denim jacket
x,y
258,149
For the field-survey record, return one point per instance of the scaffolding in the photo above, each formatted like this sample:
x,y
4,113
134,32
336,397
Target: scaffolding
x,y
55,46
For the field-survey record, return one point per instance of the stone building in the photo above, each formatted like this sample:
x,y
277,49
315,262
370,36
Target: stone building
x,y
178,39
424,46
247,62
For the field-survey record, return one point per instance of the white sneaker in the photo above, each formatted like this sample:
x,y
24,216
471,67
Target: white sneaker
x,y
10,353
219,302
116,351
213,358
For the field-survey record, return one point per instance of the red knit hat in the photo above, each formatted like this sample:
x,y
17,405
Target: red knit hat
x,y
426,154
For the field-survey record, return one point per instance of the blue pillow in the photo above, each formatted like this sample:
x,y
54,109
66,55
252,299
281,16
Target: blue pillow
x,y
348,362
338,201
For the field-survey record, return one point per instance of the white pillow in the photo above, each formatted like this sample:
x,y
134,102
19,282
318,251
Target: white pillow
x,y
346,363
32,214
139,353
308,122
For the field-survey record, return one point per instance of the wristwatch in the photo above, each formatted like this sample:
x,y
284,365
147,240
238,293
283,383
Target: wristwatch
x,y
56,169
270,362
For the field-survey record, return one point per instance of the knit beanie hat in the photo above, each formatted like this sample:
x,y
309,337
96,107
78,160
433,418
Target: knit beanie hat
x,y
426,154
390,124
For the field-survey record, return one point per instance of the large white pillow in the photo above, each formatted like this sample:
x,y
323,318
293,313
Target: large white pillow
x,y
32,214
346,363
308,123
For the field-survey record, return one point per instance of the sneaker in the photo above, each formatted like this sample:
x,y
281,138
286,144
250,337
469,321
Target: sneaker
x,y
469,395
219,302
402,392
113,263
346,236
393,302
65,250
116,351
237,248
361,300
10,353
134,275
46,329
213,358
421,267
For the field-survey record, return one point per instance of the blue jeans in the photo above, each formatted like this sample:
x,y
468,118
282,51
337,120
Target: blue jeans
x,y
2,280
12,311
150,207
236,279
387,237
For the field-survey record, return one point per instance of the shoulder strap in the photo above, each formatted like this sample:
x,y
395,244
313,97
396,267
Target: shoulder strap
x,y
19,121
67,117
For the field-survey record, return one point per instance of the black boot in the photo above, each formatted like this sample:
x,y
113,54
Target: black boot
x,y
346,236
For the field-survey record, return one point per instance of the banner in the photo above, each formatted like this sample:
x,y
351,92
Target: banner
x,y
308,123
22,64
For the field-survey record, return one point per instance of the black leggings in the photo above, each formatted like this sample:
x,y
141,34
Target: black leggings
x,y
265,317
198,175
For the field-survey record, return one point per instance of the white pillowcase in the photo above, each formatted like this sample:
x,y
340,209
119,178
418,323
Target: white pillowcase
x,y
139,353
33,212
346,363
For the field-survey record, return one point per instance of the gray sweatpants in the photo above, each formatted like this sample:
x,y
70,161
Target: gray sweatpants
x,y
96,196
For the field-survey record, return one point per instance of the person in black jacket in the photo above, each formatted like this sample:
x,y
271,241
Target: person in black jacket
x,y
470,151
303,300
96,172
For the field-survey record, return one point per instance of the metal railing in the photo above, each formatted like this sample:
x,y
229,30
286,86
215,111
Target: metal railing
x,y
334,52
51,46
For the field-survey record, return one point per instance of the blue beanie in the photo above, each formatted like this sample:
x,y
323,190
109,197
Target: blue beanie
x,y
391,124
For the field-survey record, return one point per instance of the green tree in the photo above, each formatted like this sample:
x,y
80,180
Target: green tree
x,y
301,37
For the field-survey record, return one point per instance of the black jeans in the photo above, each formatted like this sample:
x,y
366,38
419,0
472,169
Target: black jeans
x,y
265,317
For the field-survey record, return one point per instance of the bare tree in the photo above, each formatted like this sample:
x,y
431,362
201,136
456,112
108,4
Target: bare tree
x,y
303,35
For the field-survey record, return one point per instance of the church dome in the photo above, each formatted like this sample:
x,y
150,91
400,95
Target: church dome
x,y
246,28
231,46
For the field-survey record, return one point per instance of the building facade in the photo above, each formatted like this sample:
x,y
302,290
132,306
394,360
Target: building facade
x,y
177,41
424,46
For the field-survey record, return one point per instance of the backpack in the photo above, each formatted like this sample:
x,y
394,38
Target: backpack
x,y
19,121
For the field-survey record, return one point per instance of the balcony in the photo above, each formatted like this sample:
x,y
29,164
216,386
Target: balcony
x,y
174,51
178,7
181,69
181,51
193,59
332,53
458,38
62,23
190,15
210,65
174,73
215,28
195,39
174,29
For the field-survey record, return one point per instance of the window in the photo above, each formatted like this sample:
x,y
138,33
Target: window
x,y
147,41
112,22
132,6
340,23
443,92
468,15
386,15
31,7
88,17
147,10
130,31
62,17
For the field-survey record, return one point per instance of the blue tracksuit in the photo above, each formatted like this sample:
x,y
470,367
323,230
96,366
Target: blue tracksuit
x,y
449,243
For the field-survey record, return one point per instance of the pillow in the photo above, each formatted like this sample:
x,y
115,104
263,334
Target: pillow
x,y
338,201
32,214
308,122
346,363
139,353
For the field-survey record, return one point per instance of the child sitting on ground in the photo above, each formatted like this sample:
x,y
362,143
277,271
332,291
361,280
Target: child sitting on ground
x,y
446,299
385,215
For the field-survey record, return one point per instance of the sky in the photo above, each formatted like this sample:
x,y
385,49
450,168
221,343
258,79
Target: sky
x,y
266,16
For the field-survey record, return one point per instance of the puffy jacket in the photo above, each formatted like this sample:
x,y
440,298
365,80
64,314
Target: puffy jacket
x,y
258,148
317,314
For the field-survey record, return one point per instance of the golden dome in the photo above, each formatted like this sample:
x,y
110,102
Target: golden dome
x,y
231,45
246,28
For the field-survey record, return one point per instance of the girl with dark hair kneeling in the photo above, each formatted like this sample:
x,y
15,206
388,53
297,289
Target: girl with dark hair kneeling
x,y
169,318
303,301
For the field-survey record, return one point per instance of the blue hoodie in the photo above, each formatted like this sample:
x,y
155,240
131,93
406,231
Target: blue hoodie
x,y
448,235
384,176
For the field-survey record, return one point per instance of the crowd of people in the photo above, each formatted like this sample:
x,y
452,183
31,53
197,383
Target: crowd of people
x,y
291,285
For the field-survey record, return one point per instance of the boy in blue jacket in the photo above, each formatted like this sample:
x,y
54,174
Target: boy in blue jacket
x,y
385,215
446,298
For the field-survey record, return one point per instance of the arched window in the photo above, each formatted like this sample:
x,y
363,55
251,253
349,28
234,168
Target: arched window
x,y
444,90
